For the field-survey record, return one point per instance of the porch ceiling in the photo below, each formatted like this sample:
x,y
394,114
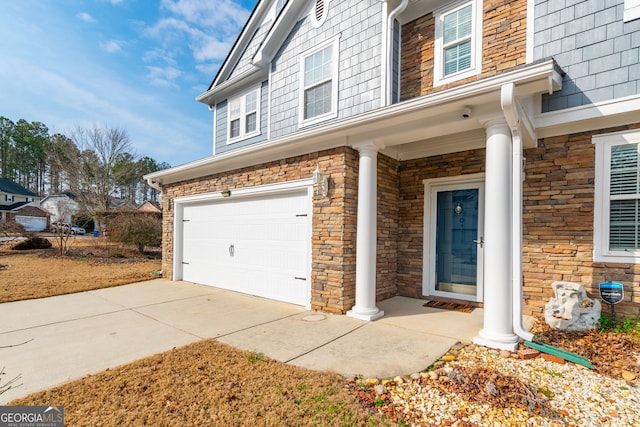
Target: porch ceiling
x,y
428,125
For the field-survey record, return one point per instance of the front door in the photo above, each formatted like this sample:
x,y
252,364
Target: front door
x,y
455,239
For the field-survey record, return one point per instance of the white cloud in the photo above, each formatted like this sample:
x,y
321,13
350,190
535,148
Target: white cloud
x,y
207,28
225,15
111,46
84,16
163,76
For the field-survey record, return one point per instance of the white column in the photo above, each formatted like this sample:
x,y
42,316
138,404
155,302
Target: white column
x,y
498,321
366,241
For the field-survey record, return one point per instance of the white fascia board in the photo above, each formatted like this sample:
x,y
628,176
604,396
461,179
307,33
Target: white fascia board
x,y
230,87
529,80
278,32
615,112
262,8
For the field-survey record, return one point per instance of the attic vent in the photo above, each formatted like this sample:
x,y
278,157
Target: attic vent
x,y
319,12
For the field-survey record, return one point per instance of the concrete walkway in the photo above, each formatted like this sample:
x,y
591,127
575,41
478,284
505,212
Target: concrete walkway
x,y
50,341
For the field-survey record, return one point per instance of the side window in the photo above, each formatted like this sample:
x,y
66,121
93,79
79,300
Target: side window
x,y
319,85
244,116
617,198
458,42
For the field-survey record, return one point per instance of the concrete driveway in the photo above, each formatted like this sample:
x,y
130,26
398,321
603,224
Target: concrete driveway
x,y
53,340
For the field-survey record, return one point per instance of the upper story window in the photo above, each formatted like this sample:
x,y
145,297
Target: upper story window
x,y
458,43
8,198
616,229
631,10
244,115
319,83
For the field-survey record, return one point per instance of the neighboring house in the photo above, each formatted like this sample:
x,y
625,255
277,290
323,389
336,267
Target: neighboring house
x,y
150,206
62,206
467,150
116,204
20,205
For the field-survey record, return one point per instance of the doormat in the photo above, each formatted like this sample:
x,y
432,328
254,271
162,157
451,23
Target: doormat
x,y
444,305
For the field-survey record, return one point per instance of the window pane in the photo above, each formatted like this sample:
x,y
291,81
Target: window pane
x,y
464,21
317,67
250,123
457,58
623,228
250,101
317,100
625,169
234,108
457,25
234,130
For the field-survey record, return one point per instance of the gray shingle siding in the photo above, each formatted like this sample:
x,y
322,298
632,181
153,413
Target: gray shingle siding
x,y
221,123
244,64
359,27
592,44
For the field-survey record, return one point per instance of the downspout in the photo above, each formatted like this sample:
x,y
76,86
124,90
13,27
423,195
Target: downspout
x,y
383,56
510,110
386,78
212,108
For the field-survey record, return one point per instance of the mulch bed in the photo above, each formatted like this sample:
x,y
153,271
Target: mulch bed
x,y
610,352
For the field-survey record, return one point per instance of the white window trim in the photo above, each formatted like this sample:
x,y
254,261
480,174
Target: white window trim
x,y
243,115
631,10
334,86
476,43
603,144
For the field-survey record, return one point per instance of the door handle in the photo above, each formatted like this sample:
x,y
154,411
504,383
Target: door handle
x,y
232,250
479,242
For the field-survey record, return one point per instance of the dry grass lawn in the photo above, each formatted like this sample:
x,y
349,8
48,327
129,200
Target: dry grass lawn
x,y
208,384
92,263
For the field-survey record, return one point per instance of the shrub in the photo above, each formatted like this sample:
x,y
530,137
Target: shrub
x,y
11,229
33,243
137,229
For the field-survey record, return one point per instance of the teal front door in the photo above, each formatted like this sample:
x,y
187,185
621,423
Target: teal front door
x,y
456,241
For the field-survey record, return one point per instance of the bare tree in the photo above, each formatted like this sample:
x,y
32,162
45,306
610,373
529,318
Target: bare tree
x,y
98,174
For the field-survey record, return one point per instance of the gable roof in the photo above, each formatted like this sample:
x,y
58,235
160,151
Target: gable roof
x,y
8,186
284,20
63,195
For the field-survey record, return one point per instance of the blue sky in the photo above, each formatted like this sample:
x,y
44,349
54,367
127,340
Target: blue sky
x,y
132,64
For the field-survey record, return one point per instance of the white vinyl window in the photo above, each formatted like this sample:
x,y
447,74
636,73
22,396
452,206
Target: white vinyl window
x,y
319,83
631,10
244,115
617,198
458,42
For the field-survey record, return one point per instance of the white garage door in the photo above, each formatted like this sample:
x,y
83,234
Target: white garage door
x,y
256,245
32,223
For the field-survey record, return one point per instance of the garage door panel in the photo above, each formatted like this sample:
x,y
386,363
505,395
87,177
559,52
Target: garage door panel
x,y
269,238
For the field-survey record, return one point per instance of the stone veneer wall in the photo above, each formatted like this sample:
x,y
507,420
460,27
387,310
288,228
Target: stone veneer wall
x,y
411,210
558,211
334,219
503,47
387,251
